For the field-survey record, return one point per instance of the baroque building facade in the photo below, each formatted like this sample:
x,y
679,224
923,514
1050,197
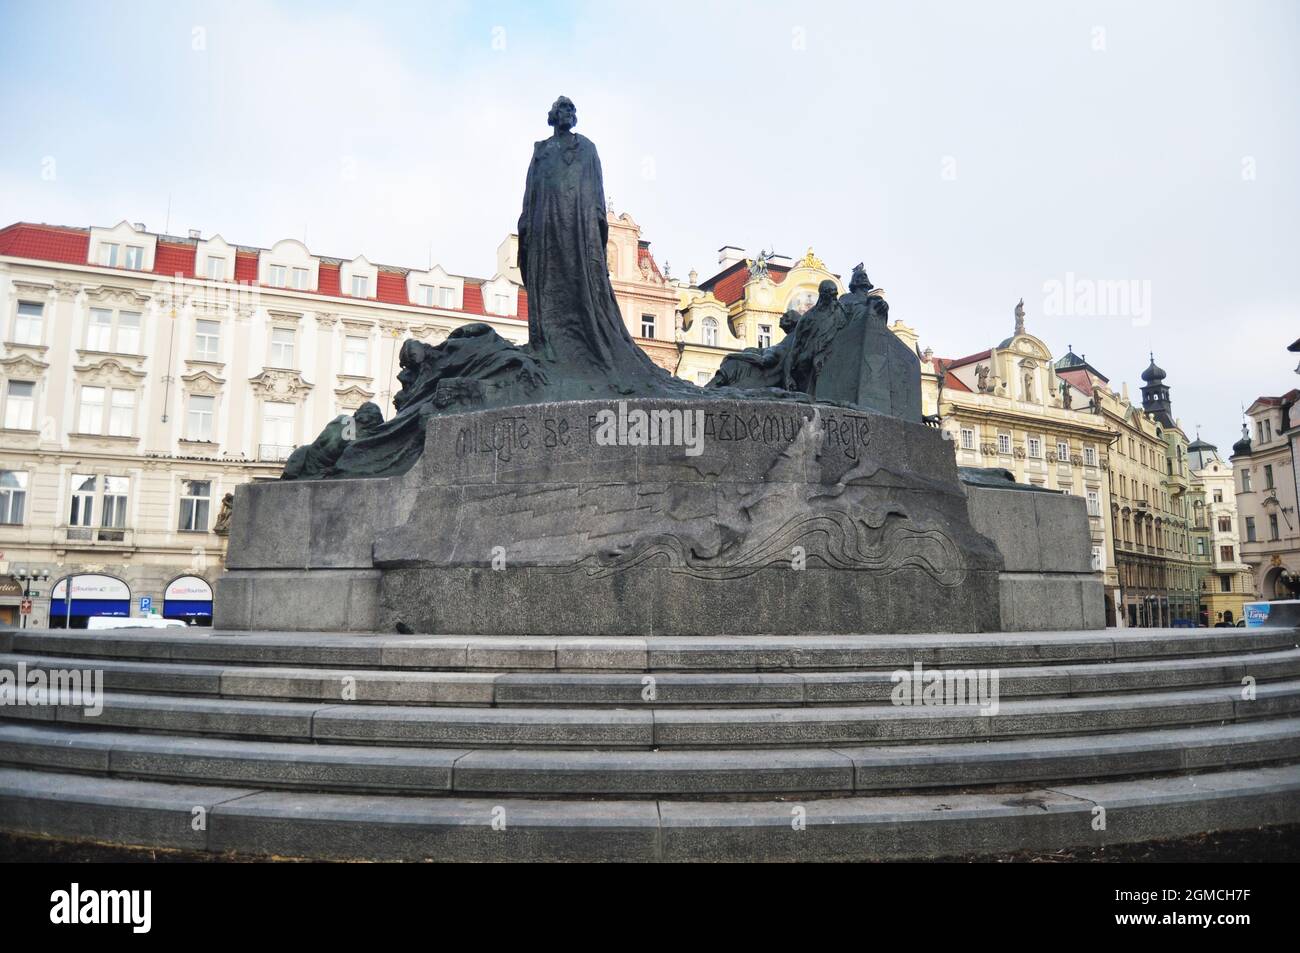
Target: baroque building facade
x,y
1005,407
144,376
1264,469
1228,583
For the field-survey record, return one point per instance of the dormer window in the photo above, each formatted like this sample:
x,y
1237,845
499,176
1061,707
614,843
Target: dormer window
x,y
278,276
109,254
113,255
360,286
300,278
216,268
134,257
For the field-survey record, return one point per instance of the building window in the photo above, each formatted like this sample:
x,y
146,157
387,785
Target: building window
x,y
276,276
282,341
1218,496
355,355
446,297
196,497
1245,481
300,276
99,333
501,304
113,331
1035,447
116,490
277,430
1004,443
1225,554
1225,583
1250,529
28,322
647,325
1200,545
216,268
20,405
1090,456
134,257
1225,524
1268,476
82,510
360,286
121,413
1272,528
13,496
1062,451
207,340
90,416
108,254
426,295
709,328
198,417
967,438
765,335
1094,503
113,504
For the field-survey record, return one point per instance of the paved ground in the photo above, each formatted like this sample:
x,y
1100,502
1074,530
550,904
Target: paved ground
x,y
1270,845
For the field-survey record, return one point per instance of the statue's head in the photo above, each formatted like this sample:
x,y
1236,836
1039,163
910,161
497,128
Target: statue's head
x,y
827,292
368,416
860,282
563,114
789,320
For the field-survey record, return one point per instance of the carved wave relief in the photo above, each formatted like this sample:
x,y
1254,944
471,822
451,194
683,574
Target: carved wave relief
x,y
880,541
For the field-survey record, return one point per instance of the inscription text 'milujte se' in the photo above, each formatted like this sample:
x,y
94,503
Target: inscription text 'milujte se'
x,y
505,436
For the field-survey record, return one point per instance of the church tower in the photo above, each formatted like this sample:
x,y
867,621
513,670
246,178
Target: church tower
x,y
1155,394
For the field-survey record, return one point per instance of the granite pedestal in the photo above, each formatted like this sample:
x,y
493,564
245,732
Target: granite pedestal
x,y
660,517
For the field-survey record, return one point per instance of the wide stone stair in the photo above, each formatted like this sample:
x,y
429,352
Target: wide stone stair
x,y
720,748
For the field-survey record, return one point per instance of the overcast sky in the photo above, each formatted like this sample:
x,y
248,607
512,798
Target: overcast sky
x,y
970,153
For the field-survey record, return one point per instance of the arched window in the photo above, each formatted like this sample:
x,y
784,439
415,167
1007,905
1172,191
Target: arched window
x,y
709,327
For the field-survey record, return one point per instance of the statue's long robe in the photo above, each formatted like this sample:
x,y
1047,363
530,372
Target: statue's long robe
x,y
573,317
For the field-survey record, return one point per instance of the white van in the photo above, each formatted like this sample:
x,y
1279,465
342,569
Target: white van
x,y
125,622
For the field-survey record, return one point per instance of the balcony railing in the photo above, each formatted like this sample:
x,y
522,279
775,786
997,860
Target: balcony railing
x,y
98,534
273,452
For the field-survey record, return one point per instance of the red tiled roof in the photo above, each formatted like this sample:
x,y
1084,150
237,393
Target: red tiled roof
x,y
72,245
473,296
391,288
46,242
970,359
172,260
643,255
729,285
246,267
327,283
1078,379
951,382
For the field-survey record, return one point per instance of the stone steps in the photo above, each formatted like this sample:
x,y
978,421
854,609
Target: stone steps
x,y
248,820
738,741
631,689
747,653
650,726
645,773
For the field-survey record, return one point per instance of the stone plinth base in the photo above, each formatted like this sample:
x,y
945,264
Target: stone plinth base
x,y
658,517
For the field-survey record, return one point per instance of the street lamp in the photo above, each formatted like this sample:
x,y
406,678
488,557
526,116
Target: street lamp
x,y
27,575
